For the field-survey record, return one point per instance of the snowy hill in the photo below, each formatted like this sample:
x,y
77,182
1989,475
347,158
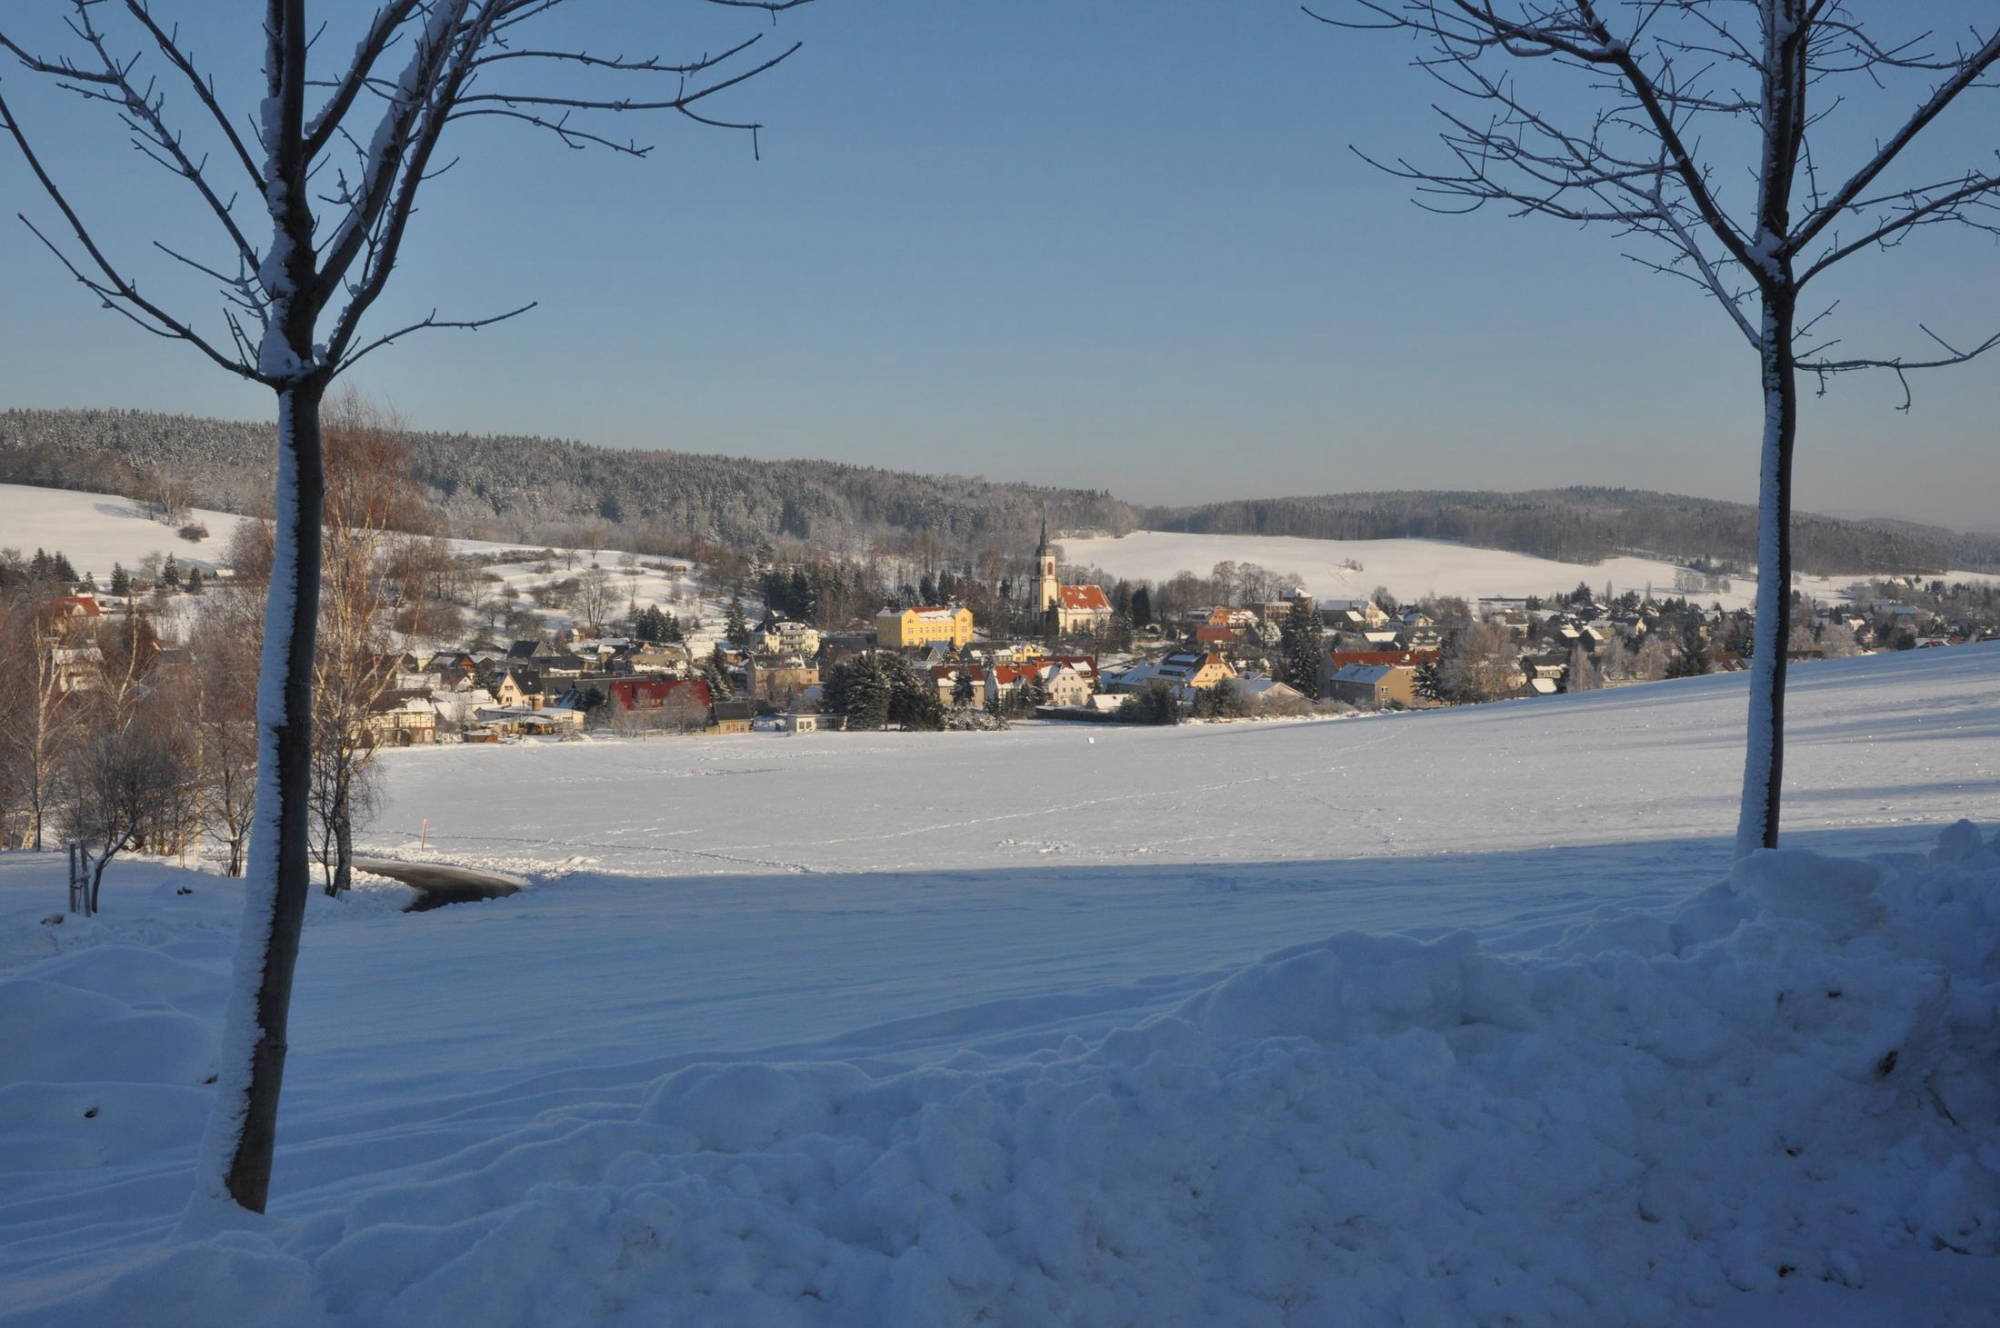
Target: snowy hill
x,y
1447,1018
1411,568
97,530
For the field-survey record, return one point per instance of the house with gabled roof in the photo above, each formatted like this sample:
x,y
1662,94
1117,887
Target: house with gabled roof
x,y
1376,686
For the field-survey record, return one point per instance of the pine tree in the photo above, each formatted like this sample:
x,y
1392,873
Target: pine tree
x,y
912,695
858,693
716,671
1299,645
121,580
1428,684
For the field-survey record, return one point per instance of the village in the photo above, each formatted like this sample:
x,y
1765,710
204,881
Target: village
x,y
938,666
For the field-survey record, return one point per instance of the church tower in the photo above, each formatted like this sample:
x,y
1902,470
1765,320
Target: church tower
x,y
1047,590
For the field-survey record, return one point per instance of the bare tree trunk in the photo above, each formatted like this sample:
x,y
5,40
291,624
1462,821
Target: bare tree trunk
x,y
1764,759
280,845
343,840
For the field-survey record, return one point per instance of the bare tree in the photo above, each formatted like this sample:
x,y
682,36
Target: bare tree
x,y
373,515
595,599
1676,84
223,648
1480,662
336,181
128,785
40,716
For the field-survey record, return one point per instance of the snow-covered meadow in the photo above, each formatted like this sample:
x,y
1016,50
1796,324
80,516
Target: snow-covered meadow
x,y
1412,569
99,530
1454,1017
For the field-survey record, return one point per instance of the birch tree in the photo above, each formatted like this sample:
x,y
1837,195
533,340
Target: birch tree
x,y
1729,141
309,193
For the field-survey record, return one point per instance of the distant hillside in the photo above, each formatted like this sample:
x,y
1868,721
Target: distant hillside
x,y
551,491
521,488
1585,525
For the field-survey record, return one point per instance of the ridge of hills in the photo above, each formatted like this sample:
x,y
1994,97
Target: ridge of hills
x,y
544,490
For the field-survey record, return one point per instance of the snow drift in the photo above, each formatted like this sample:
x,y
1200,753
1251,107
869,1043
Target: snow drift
x,y
1785,1085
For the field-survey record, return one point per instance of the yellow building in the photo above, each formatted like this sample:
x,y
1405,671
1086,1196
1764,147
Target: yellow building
x,y
904,629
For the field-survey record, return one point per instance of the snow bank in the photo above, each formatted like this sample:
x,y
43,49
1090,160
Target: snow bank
x,y
1781,1087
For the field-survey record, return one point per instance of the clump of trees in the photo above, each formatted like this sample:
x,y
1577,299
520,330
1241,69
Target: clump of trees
x,y
876,689
1154,703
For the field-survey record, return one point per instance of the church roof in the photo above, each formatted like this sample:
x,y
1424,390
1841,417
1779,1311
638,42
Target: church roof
x,y
1082,598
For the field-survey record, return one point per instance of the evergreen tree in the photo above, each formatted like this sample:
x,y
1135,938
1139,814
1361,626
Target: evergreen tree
x,y
1299,645
1155,703
735,628
715,670
1428,684
194,581
1221,701
961,688
1691,657
170,574
912,694
1142,607
121,580
65,571
858,693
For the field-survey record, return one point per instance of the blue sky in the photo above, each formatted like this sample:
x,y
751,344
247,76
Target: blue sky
x,y
1110,244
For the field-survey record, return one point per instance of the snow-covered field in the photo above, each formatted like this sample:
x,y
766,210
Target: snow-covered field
x,y
1445,1018
97,530
1411,569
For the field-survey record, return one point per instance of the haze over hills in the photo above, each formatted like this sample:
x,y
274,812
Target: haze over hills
x,y
556,491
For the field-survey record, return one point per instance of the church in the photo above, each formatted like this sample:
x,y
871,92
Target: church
x,y
1068,609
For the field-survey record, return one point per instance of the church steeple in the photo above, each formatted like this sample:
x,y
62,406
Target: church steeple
x,y
1047,589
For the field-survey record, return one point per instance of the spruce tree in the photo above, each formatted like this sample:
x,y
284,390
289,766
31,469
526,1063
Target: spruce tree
x,y
194,581
912,694
735,627
716,671
170,574
1299,644
1428,684
121,580
859,693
